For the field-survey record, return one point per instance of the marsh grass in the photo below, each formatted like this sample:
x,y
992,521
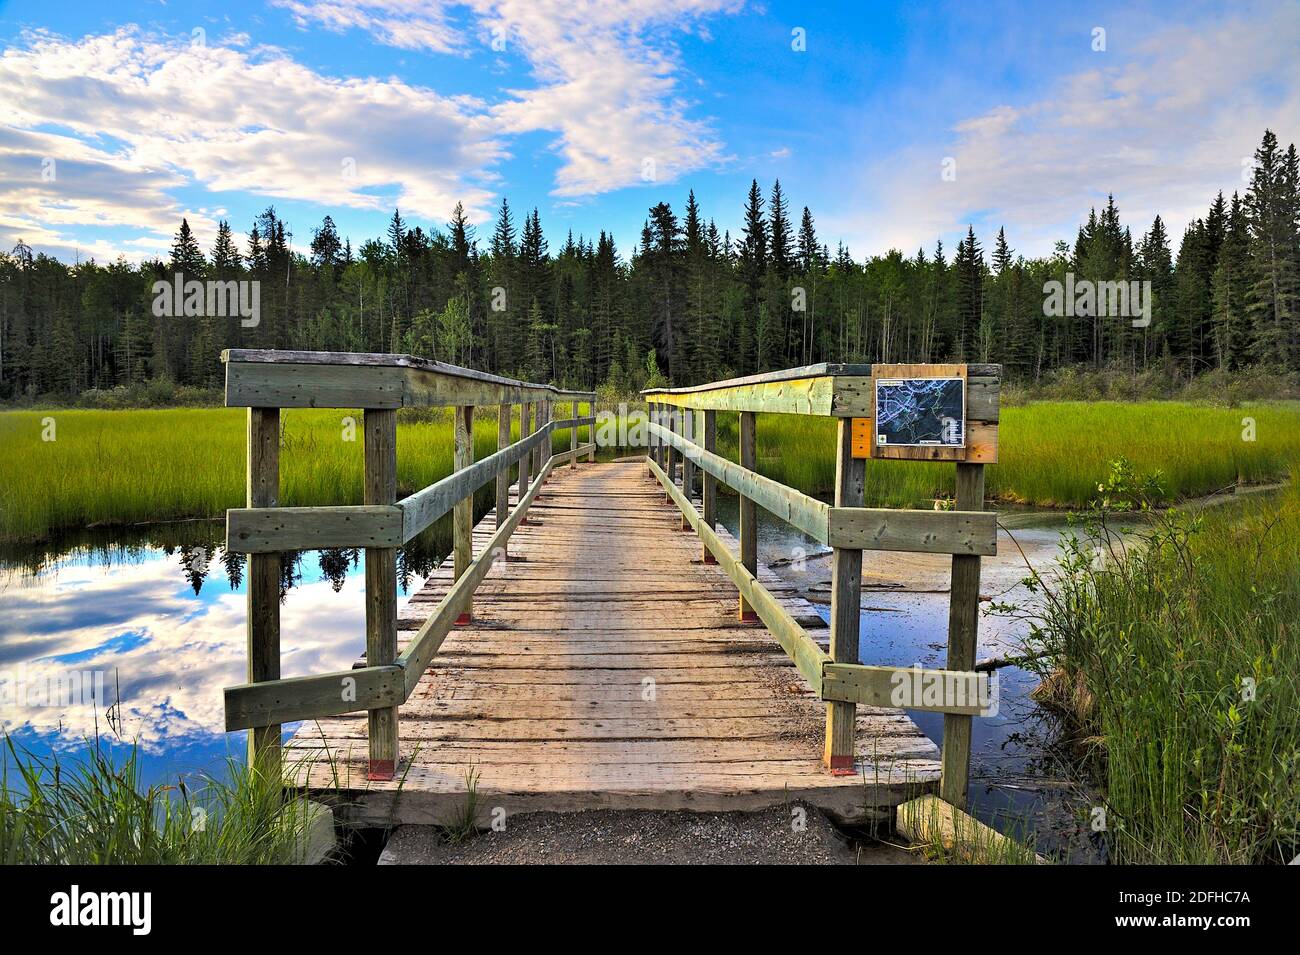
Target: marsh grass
x,y
1174,657
1053,454
95,810
126,467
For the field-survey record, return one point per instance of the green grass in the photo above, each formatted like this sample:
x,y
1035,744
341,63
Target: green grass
x,y
95,810
1053,454
1175,661
124,467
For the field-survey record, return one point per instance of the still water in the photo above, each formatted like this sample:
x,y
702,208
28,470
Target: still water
x,y
152,624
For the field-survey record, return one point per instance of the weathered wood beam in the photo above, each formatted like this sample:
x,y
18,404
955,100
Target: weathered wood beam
x,y
911,688
263,378
963,637
379,487
919,532
846,603
263,598
266,530
422,508
804,512
251,705
843,391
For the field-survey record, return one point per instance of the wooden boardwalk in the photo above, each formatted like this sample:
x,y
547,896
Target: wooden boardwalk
x,y
606,667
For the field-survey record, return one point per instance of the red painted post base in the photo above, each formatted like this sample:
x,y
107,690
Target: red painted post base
x,y
842,766
710,559
464,620
748,616
381,770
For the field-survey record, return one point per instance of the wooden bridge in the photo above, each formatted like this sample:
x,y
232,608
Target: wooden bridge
x,y
599,640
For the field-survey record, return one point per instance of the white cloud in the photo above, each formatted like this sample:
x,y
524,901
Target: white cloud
x,y
1163,128
179,652
137,116
607,76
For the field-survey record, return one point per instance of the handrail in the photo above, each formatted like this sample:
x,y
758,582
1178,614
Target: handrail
x,y
267,381
678,416
272,378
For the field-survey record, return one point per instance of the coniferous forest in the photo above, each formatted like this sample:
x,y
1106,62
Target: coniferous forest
x,y
687,302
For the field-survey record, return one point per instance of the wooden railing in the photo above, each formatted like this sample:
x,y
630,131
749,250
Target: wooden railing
x,y
683,430
267,381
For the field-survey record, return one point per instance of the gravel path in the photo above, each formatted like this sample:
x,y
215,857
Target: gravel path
x,y
615,837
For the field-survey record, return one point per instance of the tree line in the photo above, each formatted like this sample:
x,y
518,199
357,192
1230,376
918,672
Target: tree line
x,y
689,303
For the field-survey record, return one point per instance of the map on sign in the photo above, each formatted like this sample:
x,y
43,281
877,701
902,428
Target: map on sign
x,y
921,412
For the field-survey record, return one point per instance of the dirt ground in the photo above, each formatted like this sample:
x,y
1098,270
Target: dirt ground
x,y
783,835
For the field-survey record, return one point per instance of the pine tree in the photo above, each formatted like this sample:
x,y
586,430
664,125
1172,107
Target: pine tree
x,y
1271,217
186,256
752,252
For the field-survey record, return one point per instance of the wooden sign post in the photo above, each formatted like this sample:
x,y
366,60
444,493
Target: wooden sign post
x,y
913,407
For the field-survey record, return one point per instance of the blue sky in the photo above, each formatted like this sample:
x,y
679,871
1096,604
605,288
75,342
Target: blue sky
x,y
116,120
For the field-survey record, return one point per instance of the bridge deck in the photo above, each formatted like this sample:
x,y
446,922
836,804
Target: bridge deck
x,y
606,668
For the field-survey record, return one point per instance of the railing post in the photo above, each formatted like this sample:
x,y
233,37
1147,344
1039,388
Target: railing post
x,y
846,602
463,513
748,513
503,479
545,417
591,431
264,581
526,419
688,466
652,415
709,493
963,631
670,453
573,436
380,487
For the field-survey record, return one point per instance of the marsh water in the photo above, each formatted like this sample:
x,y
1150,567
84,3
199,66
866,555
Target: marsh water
x,y
128,637
153,619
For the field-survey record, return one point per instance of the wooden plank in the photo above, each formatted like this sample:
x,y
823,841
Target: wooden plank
x,y
846,601
794,507
912,688
425,506
302,379
255,705
963,637
379,487
265,530
839,390
920,532
263,599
